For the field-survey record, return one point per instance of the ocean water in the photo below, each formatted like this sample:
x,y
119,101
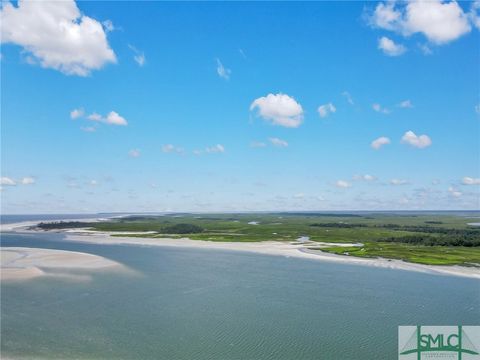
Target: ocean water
x,y
203,304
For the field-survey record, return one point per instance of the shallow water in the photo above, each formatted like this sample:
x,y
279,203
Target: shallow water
x,y
210,304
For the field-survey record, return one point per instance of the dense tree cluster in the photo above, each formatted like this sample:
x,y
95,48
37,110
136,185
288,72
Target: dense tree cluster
x,y
182,229
63,225
339,225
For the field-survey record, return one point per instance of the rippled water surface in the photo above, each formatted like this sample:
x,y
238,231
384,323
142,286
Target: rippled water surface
x,y
203,304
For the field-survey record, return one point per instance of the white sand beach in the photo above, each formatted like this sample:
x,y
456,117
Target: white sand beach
x,y
22,263
286,249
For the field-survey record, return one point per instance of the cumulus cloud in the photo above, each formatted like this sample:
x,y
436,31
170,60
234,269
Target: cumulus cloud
x,y
7,181
134,153
56,35
28,180
389,47
467,180
112,118
379,108
440,22
76,113
398,182
406,104
278,142
223,72
474,13
170,148
279,109
342,184
325,110
138,56
378,143
412,139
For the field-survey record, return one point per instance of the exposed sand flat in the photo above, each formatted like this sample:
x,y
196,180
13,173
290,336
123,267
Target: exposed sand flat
x,y
287,249
278,248
22,263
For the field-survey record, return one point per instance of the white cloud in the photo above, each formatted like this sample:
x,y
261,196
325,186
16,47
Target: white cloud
x,y
440,22
379,108
108,25
477,108
470,181
474,14
342,184
112,118
76,113
365,177
95,117
278,142
412,139
222,71
139,56
7,181
279,109
257,144
215,149
57,35
389,47
88,128
378,143
93,182
454,192
134,153
299,196
28,180
170,148
325,110
347,96
406,104
397,182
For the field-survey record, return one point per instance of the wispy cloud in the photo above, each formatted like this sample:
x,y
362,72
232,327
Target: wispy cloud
x,y
342,184
278,142
222,71
138,56
170,148
379,142
135,153
326,109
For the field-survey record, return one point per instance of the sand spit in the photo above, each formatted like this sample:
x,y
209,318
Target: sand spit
x,y
22,263
286,249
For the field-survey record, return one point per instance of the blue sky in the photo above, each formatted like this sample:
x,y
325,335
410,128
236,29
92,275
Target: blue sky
x,y
215,106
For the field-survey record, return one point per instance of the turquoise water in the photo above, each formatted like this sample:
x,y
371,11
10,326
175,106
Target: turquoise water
x,y
204,304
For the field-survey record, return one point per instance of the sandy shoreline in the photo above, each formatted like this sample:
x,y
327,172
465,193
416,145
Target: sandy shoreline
x,y
23,263
286,249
